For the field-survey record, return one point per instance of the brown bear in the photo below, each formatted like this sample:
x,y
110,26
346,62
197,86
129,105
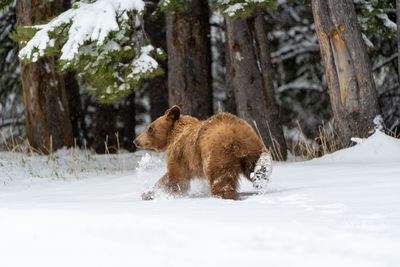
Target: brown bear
x,y
218,149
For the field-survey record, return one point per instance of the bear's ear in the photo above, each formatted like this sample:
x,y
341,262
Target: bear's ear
x,y
173,113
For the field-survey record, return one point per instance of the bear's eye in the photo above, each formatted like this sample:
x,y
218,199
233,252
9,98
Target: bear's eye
x,y
150,130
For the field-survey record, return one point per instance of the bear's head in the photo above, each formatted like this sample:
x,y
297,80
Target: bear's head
x,y
156,134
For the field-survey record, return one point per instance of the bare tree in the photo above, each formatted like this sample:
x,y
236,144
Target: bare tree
x,y
347,67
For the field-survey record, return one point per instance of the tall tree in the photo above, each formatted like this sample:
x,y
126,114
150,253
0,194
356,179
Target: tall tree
x,y
46,107
347,67
158,86
189,59
250,76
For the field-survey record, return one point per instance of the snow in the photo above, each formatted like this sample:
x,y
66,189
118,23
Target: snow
x,y
232,8
367,41
338,210
262,171
144,63
387,22
378,147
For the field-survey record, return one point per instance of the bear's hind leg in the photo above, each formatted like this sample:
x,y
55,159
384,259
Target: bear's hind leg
x,y
223,182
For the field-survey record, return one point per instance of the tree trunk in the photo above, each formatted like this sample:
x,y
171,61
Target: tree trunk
x,y
104,129
46,106
126,130
230,104
77,115
347,67
250,76
189,60
158,94
115,126
158,86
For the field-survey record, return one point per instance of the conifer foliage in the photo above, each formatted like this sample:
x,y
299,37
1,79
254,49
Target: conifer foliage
x,y
102,40
235,8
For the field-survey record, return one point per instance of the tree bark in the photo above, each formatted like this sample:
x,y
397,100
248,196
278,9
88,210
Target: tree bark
x,y
46,107
77,115
347,68
158,86
104,129
189,73
230,104
115,126
250,76
126,131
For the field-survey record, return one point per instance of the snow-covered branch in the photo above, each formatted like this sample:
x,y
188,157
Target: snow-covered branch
x,y
86,22
102,41
235,8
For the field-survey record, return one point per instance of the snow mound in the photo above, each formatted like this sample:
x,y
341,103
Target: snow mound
x,y
379,147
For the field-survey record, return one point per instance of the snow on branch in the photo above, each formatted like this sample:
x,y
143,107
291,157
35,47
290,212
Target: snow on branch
x,y
373,18
103,41
86,21
235,8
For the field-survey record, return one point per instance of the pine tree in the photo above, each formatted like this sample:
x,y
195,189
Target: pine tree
x,y
111,51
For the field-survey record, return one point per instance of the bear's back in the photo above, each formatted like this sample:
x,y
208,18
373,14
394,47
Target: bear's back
x,y
227,133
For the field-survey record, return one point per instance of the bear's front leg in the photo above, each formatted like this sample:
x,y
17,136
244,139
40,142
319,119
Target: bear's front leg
x,y
170,185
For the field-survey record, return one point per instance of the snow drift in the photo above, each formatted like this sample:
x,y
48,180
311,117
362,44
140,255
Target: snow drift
x,y
379,147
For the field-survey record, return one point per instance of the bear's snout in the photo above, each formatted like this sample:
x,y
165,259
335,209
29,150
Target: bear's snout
x,y
140,144
136,143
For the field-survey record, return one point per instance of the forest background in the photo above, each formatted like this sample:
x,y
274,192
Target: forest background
x,y
308,75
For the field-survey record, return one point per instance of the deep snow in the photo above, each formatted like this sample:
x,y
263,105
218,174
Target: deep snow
x,y
338,210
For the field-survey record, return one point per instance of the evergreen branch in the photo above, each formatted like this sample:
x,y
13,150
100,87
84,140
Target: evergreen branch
x,y
4,3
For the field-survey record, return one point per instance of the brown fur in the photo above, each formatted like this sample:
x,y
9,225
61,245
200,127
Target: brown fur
x,y
218,149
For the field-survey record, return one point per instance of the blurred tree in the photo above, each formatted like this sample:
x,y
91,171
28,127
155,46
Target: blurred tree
x,y
398,34
11,101
297,70
377,19
299,76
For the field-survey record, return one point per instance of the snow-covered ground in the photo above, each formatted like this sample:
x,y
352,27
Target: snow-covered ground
x,y
72,209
